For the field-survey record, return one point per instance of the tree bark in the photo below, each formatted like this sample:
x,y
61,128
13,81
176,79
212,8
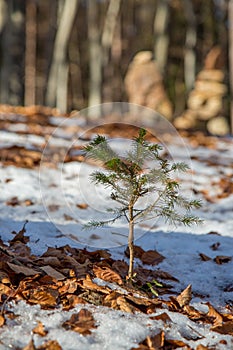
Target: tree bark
x,y
109,29
3,82
230,29
30,54
3,14
58,76
12,53
190,44
161,37
95,61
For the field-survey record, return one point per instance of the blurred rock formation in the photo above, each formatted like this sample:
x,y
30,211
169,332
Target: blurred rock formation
x,y
144,84
205,101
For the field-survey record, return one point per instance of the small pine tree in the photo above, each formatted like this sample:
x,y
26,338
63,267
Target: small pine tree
x,y
129,179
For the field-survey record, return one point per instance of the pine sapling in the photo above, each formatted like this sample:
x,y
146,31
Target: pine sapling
x,y
129,179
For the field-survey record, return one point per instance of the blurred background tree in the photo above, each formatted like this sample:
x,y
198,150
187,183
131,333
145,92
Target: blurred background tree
x,y
73,54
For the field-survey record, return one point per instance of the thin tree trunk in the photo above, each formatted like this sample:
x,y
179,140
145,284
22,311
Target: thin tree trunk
x,y
3,14
109,28
30,54
58,76
190,44
12,52
4,17
230,29
95,61
131,242
161,37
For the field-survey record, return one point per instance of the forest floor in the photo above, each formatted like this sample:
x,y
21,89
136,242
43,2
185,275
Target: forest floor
x,y
62,287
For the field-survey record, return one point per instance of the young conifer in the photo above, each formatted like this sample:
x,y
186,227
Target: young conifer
x,y
129,179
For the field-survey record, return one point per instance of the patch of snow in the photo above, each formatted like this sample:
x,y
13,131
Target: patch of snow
x,y
56,220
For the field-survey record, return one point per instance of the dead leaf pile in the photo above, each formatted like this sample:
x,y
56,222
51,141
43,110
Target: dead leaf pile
x,y
69,276
221,323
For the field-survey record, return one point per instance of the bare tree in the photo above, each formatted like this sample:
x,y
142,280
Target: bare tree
x,y
58,76
3,13
230,28
161,37
109,28
190,45
12,52
95,60
30,54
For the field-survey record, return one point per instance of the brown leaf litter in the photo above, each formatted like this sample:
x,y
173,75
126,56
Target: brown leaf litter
x,y
66,277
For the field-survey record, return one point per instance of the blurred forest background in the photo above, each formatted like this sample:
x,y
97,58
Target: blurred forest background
x,y
70,54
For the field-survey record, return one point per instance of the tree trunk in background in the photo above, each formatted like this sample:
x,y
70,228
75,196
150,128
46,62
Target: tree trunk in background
x,y
230,28
110,41
58,77
208,21
3,14
190,45
12,54
3,20
95,60
161,38
109,29
30,54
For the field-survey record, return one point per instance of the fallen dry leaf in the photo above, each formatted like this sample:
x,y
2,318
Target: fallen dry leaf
x,y
106,274
215,315
4,277
53,207
82,205
138,251
124,305
13,202
152,342
20,156
52,272
71,301
185,297
152,257
40,329
121,267
175,343
19,236
159,341
69,286
5,291
225,328
88,284
68,217
50,345
26,271
221,259
81,322
46,297
30,346
215,246
2,320
49,260
163,317
202,347
20,250
204,257
111,300
192,313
